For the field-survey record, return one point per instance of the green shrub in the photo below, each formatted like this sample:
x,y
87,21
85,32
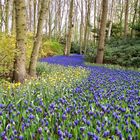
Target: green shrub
x,y
7,52
50,48
123,52
90,56
75,48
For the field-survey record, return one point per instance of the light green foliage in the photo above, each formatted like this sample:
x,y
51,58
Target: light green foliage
x,y
50,48
7,51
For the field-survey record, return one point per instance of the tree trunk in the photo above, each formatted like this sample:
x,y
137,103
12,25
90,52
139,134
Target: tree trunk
x,y
69,34
102,34
38,39
13,18
1,16
59,19
19,73
111,21
81,28
35,16
121,17
126,19
50,21
134,18
30,15
87,21
7,16
95,32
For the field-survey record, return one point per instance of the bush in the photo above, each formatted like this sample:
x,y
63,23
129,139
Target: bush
x,y
123,52
7,52
75,48
8,49
90,56
50,48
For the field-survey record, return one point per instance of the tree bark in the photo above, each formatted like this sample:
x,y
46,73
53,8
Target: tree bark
x,y
87,21
1,16
13,17
7,16
38,39
102,34
81,28
59,19
35,16
126,19
111,21
134,18
19,73
30,15
50,22
69,34
95,32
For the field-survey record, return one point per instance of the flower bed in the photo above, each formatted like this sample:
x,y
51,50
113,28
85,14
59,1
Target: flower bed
x,y
106,105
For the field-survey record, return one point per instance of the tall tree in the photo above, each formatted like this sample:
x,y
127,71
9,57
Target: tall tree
x,y
81,27
102,34
19,73
38,38
111,20
126,18
35,14
1,16
7,15
69,34
50,21
13,17
95,5
134,17
87,25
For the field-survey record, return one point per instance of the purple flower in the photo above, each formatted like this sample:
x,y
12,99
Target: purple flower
x,y
60,133
106,134
21,137
39,130
64,117
31,116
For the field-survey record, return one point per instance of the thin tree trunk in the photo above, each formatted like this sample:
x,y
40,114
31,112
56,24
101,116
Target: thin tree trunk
x,y
134,18
7,16
86,34
102,35
126,19
50,22
121,17
19,73
35,16
1,16
30,15
38,38
13,18
111,21
81,28
69,34
59,19
95,32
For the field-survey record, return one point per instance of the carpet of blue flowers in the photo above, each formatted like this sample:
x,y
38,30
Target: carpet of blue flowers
x,y
102,105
